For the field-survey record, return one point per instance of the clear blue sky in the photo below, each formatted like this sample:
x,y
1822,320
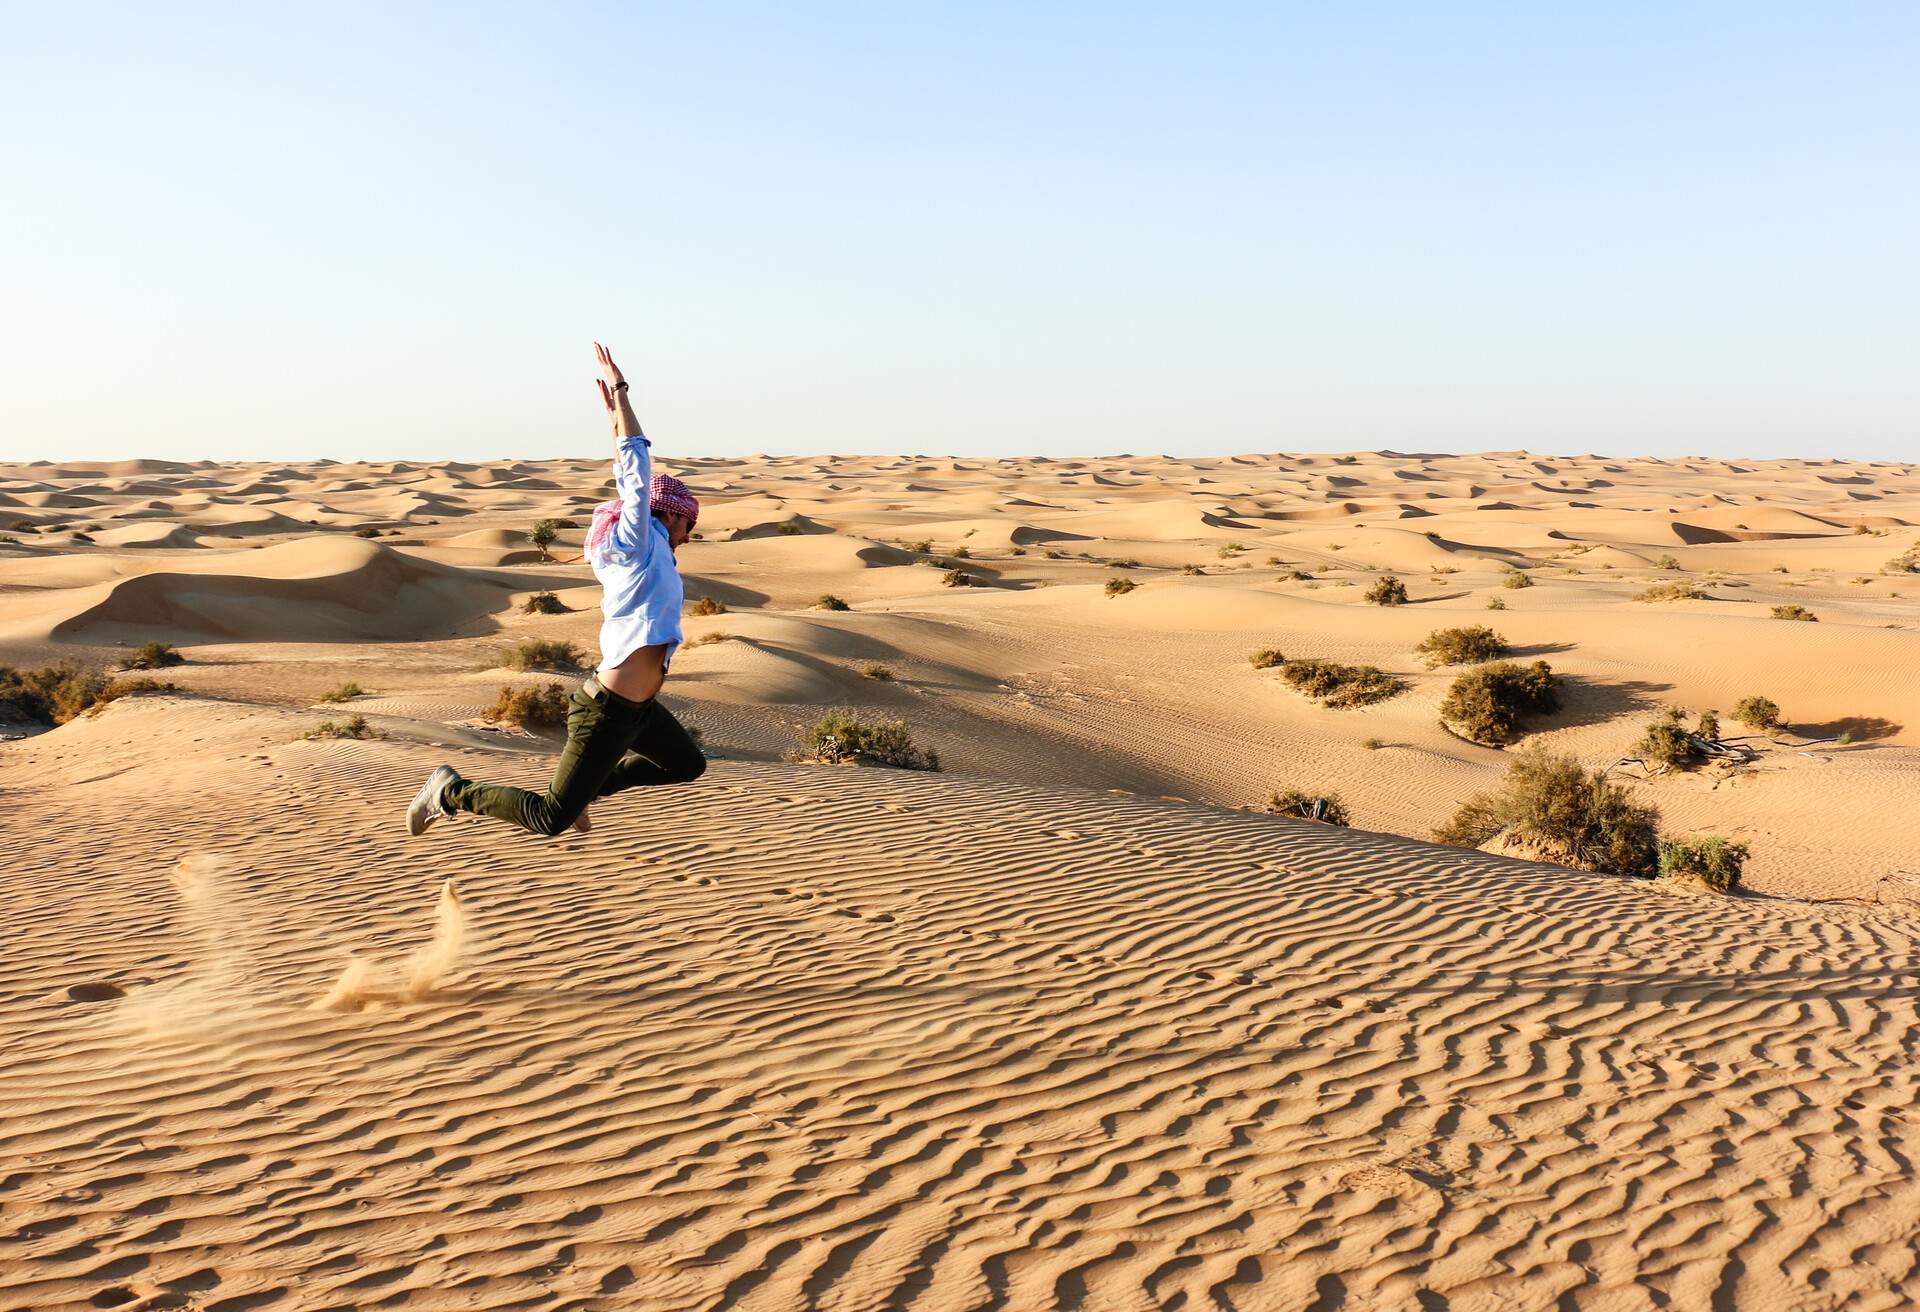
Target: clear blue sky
x,y
377,230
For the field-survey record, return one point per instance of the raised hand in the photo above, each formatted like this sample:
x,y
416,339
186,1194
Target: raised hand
x,y
610,371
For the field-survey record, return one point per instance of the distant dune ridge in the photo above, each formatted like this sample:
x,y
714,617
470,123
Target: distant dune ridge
x,y
1071,1023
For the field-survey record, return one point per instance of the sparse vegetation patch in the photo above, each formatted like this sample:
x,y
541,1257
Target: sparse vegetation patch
x,y
543,603
1339,686
1387,590
542,654
353,727
1488,703
1712,859
345,692
1328,810
1118,587
839,738
1565,813
1800,613
827,601
1677,590
1759,713
1462,646
540,707
151,656
707,606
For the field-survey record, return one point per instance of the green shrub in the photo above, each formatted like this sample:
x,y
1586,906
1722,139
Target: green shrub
x,y
875,670
1757,713
1572,816
1266,658
1387,591
1678,590
540,707
151,656
1120,587
345,692
355,727
708,606
1339,686
1710,858
1800,613
1667,742
1516,579
544,534
542,654
543,603
1487,703
838,737
958,578
1708,725
1462,646
1302,806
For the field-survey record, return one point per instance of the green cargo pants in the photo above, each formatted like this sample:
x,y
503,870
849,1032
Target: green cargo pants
x,y
612,743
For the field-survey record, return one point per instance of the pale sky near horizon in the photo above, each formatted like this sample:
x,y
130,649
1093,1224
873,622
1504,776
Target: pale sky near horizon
x,y
381,231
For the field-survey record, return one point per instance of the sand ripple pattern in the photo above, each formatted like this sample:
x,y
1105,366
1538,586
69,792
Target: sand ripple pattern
x,y
828,1038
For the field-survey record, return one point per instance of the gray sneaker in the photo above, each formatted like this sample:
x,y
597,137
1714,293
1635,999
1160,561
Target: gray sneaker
x,y
429,804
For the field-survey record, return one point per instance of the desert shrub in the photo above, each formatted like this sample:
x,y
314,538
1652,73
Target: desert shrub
x,y
838,737
25,526
707,639
827,601
354,727
961,553
1667,562
1126,562
1387,591
1017,551
1861,530
875,670
1373,744
1757,713
1191,569
1800,613
786,528
1051,554
1339,686
1678,590
1300,576
707,606
52,694
1907,562
923,546
1516,579
543,534
1462,646
1572,816
1303,806
542,654
1710,858
151,656
543,603
1120,587
1495,603
544,706
119,688
1229,550
1666,742
345,692
1487,703
957,578
367,532
1708,725
1266,658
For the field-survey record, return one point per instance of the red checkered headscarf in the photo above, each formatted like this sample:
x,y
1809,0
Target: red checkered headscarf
x,y
671,495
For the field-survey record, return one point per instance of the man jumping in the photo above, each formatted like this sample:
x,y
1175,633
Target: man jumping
x,y
618,734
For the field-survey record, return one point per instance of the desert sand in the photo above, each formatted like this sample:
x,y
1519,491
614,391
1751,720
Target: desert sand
x,y
1071,1023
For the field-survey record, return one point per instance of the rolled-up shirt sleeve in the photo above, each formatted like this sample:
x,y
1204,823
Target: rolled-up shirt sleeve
x,y
633,482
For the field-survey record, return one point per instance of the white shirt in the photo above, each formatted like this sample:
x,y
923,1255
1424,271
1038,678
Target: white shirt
x,y
642,594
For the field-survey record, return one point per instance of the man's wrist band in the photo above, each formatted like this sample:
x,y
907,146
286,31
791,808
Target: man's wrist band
x,y
620,386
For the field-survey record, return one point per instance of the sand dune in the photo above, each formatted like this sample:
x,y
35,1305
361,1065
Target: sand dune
x,y
1068,1024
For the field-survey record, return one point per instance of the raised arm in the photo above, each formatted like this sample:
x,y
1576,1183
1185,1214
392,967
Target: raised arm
x,y
632,458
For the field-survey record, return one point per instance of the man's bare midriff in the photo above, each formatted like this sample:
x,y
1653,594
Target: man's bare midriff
x,y
639,676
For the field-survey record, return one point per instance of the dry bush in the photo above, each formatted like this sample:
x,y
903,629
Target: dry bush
x,y
1708,725
1711,859
827,601
1487,703
1266,658
1800,613
542,654
1907,562
961,553
1667,742
838,737
923,547
1292,802
1373,744
354,727
543,603
1125,562
1120,587
1516,579
119,688
52,694
345,692
151,656
1495,603
1387,590
540,707
1339,686
875,670
707,606
1667,562
786,528
1569,815
958,578
1191,569
1051,554
1017,551
368,532
1757,713
707,639
1677,590
1462,646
